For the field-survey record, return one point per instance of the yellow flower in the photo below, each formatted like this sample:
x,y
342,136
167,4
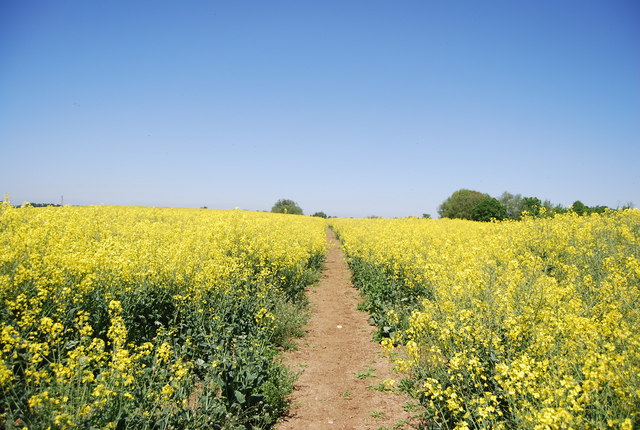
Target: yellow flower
x,y
163,352
63,421
536,310
626,424
389,384
6,374
167,392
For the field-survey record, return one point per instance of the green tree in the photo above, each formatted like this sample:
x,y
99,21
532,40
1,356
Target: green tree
x,y
460,204
557,209
582,209
532,205
320,214
598,209
579,208
487,209
512,203
553,209
286,206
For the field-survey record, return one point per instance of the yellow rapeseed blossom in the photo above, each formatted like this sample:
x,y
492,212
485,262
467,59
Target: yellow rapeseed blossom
x,y
102,307
532,324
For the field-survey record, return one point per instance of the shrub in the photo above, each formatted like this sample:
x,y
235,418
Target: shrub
x,y
286,206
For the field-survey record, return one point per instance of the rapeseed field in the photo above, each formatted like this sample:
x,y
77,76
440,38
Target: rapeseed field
x,y
145,318
532,324
156,318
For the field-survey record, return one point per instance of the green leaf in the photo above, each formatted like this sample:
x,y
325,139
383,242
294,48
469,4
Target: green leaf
x,y
239,396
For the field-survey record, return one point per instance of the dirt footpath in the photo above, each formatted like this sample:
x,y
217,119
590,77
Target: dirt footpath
x,y
341,366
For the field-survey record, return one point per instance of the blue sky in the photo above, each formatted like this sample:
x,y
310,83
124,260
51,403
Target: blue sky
x,y
354,108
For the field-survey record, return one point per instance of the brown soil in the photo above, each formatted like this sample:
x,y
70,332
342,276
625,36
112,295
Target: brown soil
x,y
339,362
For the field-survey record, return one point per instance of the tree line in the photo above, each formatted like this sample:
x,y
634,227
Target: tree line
x,y
466,204
478,206
287,206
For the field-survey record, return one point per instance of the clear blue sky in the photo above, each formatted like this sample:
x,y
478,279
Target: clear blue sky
x,y
354,108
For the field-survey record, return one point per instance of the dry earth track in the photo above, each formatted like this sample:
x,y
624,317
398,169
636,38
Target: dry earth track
x,y
339,362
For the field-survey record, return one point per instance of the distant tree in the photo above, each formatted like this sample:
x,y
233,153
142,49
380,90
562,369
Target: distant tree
x,y
582,209
597,209
286,206
552,209
556,209
579,208
426,215
41,205
460,204
512,203
320,214
532,205
487,209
